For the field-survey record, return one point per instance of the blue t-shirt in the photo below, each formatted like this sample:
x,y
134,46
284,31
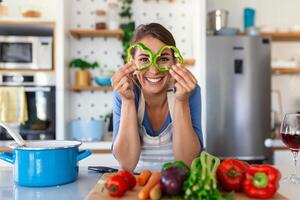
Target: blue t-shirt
x,y
195,109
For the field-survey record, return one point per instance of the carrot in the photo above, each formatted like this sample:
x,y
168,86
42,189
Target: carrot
x,y
153,180
143,177
155,192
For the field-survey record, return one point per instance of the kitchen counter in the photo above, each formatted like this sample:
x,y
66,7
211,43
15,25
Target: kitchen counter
x,y
79,189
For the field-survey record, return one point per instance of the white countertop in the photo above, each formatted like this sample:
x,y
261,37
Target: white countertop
x,y
77,190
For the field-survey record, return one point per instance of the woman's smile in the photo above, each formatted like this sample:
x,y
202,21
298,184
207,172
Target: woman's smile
x,y
154,80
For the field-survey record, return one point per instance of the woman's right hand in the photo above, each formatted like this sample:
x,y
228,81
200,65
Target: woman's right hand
x,y
122,81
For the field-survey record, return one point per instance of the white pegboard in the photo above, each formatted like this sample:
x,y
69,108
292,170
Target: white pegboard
x,y
177,16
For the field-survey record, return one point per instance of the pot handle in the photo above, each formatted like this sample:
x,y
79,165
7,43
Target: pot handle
x,y
83,154
8,157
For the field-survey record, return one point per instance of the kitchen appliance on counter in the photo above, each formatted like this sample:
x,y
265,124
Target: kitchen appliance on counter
x,y
218,19
26,47
238,98
40,96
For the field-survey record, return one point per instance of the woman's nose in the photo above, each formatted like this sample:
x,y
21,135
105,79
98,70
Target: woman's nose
x,y
153,70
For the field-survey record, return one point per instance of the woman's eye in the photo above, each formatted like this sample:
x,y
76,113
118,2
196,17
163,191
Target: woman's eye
x,y
144,60
163,59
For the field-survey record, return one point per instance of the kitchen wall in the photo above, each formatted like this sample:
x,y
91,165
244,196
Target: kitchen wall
x,y
186,19
280,15
188,29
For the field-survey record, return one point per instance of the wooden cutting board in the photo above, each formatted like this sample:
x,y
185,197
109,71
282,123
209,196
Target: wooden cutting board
x,y
96,194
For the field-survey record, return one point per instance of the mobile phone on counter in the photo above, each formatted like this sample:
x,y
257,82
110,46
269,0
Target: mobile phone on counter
x,y
104,169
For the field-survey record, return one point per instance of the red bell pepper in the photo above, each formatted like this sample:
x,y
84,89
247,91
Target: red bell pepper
x,y
129,177
262,181
231,174
116,185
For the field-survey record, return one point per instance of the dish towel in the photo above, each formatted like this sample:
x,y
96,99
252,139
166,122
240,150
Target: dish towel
x,y
13,105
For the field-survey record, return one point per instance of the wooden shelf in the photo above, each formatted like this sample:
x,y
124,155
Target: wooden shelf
x,y
78,33
86,88
295,70
283,36
26,21
189,61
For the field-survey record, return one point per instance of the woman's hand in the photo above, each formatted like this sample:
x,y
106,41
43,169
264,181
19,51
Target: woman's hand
x,y
185,82
122,81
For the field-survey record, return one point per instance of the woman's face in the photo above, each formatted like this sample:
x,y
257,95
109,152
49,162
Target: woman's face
x,y
152,80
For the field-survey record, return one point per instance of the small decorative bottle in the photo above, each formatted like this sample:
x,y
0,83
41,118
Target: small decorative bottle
x,y
100,19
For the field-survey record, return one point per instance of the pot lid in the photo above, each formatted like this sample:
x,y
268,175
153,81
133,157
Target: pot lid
x,y
47,144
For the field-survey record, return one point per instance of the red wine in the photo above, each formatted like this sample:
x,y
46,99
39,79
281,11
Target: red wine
x,y
292,141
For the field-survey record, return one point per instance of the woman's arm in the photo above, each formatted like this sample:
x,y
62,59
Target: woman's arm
x,y
186,144
127,145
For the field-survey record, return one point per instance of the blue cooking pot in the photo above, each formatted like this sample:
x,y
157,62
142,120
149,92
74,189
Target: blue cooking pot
x,y
45,163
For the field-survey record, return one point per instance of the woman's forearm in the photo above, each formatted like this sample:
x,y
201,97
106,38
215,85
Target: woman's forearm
x,y
186,145
127,145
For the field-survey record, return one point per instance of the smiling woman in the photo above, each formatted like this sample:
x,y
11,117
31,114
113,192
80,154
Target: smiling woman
x,y
151,124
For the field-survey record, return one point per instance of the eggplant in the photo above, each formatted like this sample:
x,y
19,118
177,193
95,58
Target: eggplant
x,y
172,180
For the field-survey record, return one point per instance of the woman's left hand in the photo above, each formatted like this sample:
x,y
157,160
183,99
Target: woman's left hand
x,y
185,82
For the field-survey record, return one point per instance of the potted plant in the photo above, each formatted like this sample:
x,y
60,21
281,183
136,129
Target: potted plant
x,y
3,9
82,76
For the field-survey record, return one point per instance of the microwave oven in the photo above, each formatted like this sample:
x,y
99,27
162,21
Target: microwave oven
x,y
26,52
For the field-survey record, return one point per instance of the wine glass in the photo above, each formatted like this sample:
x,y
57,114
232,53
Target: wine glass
x,y
290,134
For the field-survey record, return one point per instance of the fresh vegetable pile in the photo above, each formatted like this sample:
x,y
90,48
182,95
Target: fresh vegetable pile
x,y
208,178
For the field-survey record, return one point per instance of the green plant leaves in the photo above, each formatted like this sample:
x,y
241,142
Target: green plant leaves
x,y
82,64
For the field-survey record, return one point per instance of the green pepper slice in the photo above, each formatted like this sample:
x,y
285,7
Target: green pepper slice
x,y
154,59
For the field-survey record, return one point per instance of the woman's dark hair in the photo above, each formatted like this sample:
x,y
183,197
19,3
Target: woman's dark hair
x,y
155,30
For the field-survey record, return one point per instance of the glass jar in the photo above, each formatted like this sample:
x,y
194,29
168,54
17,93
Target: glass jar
x,y
3,10
113,16
100,19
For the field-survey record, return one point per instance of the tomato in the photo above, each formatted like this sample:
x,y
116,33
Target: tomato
x,y
231,174
116,185
129,177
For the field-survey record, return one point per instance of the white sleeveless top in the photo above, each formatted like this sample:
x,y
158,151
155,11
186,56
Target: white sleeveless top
x,y
155,150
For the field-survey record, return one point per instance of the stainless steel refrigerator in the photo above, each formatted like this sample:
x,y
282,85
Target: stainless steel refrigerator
x,y
238,89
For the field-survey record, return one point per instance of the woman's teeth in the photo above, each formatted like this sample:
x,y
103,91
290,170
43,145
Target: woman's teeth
x,y
154,80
